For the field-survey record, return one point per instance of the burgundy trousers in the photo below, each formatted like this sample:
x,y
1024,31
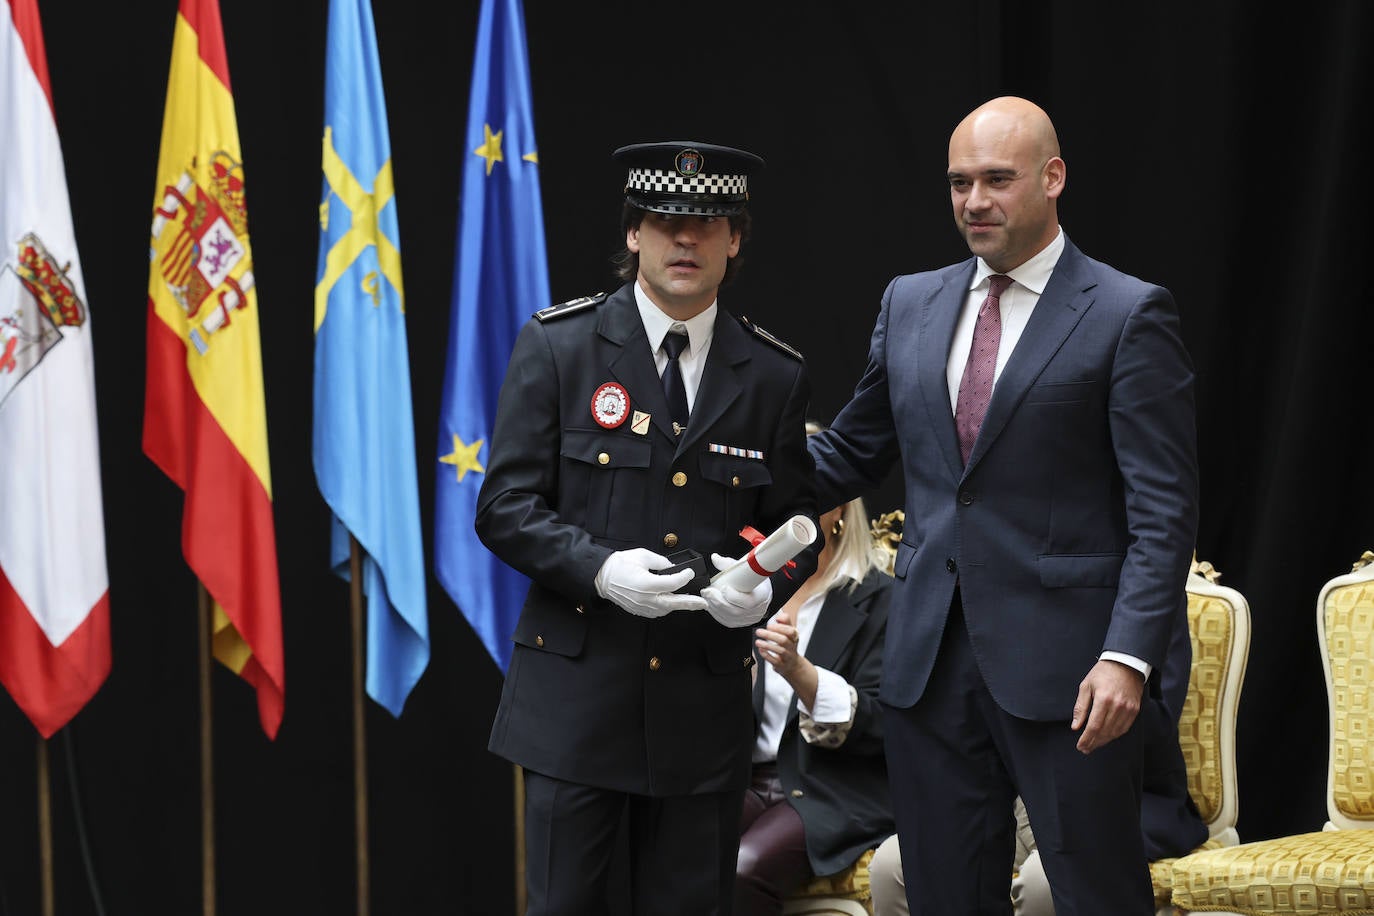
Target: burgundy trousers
x,y
772,847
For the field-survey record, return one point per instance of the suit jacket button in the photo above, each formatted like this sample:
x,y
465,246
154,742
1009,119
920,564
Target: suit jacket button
x,y
797,793
655,664
670,540
966,498
679,479
951,565
581,609
538,640
603,458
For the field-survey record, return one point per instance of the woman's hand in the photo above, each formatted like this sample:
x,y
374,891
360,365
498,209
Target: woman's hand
x,y
777,644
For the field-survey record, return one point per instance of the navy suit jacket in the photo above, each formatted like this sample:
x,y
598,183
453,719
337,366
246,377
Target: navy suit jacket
x,y
1070,530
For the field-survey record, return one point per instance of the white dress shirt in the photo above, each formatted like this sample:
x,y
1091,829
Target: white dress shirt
x,y
699,331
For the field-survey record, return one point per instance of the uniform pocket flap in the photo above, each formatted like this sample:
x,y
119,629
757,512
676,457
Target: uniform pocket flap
x,y
734,472
594,446
562,631
1081,570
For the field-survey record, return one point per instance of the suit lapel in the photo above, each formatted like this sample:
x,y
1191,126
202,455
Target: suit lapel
x,y
720,383
1067,297
937,335
839,618
633,367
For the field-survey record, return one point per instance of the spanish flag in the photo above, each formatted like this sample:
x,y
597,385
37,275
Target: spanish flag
x,y
54,594
204,422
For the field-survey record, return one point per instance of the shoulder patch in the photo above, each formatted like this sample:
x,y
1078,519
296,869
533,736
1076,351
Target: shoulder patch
x,y
761,333
570,307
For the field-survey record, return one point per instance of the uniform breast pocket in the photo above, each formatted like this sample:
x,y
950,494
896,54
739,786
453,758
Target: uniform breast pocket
x,y
738,483
604,480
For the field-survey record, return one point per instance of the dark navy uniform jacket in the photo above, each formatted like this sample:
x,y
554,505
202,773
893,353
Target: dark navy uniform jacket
x,y
594,694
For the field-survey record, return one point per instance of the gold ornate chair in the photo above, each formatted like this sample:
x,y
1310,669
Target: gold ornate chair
x,y
1331,870
1219,627
847,893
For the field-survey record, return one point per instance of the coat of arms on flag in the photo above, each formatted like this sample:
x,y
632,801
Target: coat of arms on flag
x,y
36,301
198,244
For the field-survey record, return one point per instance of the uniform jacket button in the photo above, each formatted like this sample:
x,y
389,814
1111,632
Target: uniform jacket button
x,y
603,458
581,609
538,640
797,793
748,661
655,664
734,481
679,479
670,540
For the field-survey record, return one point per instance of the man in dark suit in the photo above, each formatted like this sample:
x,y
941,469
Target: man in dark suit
x,y
1170,824
1041,405
613,448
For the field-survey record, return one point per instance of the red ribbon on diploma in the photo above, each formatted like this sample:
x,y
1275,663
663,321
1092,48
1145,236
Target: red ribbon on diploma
x,y
755,537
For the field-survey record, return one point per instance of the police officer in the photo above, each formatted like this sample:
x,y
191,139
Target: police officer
x,y
634,428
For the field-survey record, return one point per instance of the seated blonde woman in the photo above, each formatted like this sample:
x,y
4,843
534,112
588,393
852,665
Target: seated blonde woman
x,y
819,795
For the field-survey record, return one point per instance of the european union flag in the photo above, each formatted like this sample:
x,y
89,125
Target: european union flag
x,y
364,435
500,279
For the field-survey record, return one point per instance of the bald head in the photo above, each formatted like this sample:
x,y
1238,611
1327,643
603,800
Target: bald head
x,y
1005,176
1009,123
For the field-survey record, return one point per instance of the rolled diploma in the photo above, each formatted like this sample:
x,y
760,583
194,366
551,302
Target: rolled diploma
x,y
768,555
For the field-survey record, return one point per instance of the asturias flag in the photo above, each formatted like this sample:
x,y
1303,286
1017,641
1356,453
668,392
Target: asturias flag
x,y
205,420
54,594
364,434
500,279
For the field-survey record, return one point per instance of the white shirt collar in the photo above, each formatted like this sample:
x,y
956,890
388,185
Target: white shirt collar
x,y
656,324
1033,274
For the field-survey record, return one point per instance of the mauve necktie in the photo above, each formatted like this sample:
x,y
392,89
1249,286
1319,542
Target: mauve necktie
x,y
975,388
674,342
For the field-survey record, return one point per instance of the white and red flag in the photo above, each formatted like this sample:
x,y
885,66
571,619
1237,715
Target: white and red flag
x,y
54,592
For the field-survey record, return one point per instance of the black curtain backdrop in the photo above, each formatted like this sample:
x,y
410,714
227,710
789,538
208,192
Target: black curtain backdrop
x,y
1211,148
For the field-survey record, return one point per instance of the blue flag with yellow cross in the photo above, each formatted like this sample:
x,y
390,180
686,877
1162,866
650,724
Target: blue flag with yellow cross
x,y
500,279
364,436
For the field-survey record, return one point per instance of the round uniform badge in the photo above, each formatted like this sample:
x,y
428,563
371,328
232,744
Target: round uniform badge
x,y
610,405
688,163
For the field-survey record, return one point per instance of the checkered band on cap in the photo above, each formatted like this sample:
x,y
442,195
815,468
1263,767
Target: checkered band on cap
x,y
662,181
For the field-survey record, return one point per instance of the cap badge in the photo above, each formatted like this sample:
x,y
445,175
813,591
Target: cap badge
x,y
610,405
688,163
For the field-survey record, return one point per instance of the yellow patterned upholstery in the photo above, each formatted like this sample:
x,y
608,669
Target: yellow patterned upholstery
x,y
1331,871
849,885
1219,625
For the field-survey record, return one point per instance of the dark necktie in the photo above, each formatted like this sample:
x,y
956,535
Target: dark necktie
x,y
674,342
975,389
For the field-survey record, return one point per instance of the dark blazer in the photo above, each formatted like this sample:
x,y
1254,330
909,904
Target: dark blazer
x,y
841,793
1071,527
594,694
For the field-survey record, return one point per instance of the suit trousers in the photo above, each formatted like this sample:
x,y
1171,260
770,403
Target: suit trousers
x,y
772,848
957,761
681,849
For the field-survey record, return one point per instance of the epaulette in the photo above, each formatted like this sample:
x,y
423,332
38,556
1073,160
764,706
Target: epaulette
x,y
760,332
563,309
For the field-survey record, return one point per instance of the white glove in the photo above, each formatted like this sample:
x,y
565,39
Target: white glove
x,y
627,578
735,608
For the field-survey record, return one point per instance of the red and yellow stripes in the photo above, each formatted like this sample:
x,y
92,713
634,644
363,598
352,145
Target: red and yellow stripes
x,y
205,421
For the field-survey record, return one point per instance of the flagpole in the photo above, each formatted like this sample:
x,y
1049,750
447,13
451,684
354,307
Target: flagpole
x,y
355,578
520,901
207,766
45,826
